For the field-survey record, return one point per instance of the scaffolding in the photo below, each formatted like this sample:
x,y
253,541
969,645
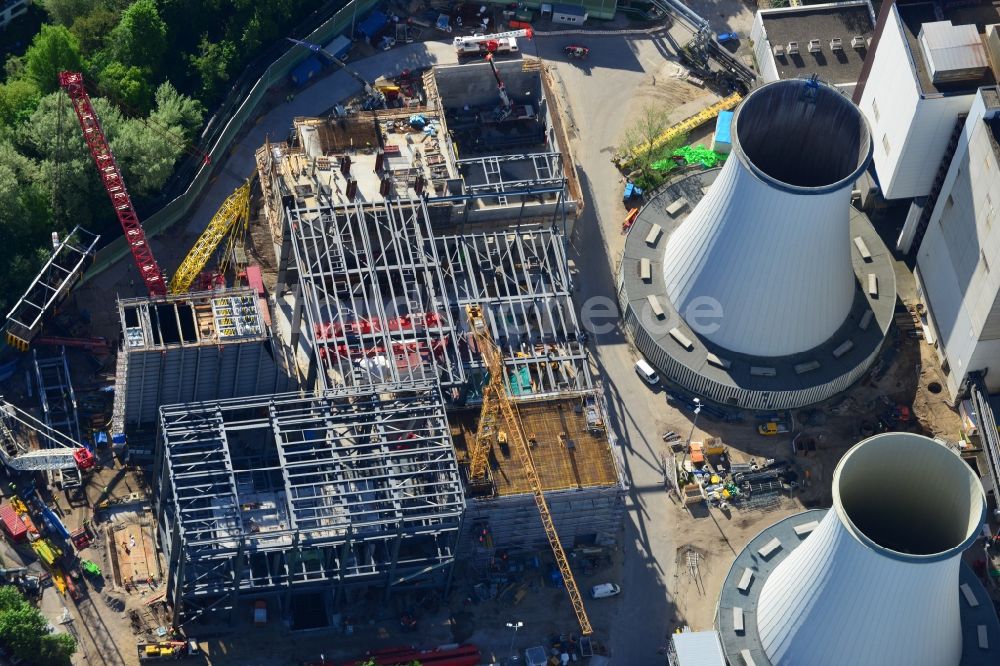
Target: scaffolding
x,y
521,277
286,494
373,298
63,269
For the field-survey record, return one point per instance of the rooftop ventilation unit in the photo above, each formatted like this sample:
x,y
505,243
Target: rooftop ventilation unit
x,y
766,202
884,561
836,44
814,46
779,50
793,48
858,42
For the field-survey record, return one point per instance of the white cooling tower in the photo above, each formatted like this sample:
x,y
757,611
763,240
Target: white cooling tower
x,y
770,241
877,581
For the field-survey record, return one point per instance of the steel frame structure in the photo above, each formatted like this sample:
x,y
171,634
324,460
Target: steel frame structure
x,y
55,391
56,394
521,278
283,494
60,272
547,167
374,299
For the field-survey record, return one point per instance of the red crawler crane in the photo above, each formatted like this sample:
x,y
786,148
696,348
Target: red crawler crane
x,y
111,177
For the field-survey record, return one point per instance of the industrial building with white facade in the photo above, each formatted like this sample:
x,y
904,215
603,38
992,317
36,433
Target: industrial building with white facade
x,y
929,94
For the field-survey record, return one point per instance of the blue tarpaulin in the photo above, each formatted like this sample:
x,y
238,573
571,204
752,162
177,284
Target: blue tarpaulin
x,y
306,70
371,26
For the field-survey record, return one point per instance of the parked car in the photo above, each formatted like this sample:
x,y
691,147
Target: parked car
x,y
772,428
604,590
260,612
724,37
645,370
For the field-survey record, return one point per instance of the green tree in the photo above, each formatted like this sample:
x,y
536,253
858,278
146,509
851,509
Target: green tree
x,y
18,99
146,155
24,629
213,64
56,650
127,85
174,110
140,38
93,28
54,49
64,12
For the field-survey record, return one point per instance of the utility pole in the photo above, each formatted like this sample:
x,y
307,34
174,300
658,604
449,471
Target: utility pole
x,y
515,626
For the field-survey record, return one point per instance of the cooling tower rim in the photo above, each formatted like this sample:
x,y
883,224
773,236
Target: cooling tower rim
x,y
847,181
865,540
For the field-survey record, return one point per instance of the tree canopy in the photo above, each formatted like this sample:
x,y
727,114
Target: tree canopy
x,y
151,107
24,630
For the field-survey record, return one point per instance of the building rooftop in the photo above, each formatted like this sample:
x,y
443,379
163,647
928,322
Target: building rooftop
x,y
698,648
801,24
914,15
571,451
195,319
784,531
796,372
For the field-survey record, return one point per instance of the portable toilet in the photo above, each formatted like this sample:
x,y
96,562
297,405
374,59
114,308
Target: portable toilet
x,y
722,143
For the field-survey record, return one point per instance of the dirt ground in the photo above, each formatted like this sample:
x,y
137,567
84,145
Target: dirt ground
x,y
716,536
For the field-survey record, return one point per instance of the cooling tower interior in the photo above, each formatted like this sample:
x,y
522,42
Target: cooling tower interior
x,y
930,502
878,579
801,135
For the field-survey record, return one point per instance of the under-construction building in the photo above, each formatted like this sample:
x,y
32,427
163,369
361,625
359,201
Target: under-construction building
x,y
383,239
306,499
187,348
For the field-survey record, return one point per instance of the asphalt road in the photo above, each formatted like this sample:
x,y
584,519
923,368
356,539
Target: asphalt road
x,y
602,93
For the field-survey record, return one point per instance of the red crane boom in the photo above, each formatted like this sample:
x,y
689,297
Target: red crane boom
x,y
111,177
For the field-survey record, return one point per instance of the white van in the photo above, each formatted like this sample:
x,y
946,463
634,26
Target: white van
x,y
645,370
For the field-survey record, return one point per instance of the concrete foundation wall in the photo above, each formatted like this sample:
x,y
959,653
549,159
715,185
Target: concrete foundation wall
x,y
473,84
581,517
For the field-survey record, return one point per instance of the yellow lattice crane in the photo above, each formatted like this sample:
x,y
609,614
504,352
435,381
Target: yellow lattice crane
x,y
232,214
497,403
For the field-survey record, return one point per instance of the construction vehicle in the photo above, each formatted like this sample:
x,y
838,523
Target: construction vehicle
x,y
374,98
164,650
496,404
18,428
111,178
232,216
772,428
506,110
500,42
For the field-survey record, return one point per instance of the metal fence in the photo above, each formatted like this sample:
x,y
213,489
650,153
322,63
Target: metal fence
x,y
245,110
